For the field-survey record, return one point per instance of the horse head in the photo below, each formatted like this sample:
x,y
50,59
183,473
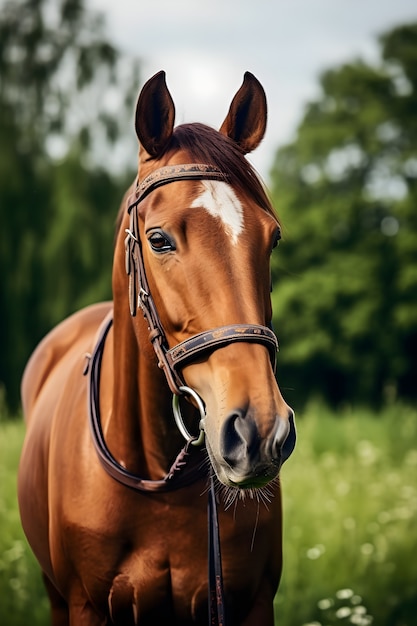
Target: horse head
x,y
205,244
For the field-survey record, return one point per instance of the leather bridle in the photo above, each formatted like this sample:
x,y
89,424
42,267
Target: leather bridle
x,y
171,360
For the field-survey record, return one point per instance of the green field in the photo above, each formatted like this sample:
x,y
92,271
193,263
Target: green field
x,y
350,533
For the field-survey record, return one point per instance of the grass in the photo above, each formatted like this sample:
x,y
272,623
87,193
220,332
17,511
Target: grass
x,y
350,513
350,524
22,596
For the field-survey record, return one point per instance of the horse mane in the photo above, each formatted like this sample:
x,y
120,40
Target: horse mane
x,y
203,144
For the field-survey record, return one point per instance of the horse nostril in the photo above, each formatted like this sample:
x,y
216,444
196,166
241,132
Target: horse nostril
x,y
238,440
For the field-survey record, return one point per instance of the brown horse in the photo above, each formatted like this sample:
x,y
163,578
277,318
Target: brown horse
x,y
116,518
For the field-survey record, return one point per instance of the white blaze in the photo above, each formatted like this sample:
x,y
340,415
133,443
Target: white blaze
x,y
219,199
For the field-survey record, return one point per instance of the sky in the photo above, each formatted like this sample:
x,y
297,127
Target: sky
x,y
206,46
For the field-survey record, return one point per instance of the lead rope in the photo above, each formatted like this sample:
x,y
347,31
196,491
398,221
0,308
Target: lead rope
x,y
215,575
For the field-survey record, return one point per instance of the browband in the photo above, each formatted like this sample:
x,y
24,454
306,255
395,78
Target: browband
x,y
171,173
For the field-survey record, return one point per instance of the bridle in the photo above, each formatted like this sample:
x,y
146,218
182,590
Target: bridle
x,y
171,360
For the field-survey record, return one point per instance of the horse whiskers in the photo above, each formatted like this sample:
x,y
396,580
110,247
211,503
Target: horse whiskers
x,y
232,495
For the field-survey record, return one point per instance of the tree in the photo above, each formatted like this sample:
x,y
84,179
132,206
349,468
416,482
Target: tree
x,y
346,274
58,197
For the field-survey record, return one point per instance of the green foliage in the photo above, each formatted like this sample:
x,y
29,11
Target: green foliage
x,y
346,274
350,513
57,69
22,595
350,510
61,119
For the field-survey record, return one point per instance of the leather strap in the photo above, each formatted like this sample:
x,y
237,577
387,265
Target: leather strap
x,y
140,296
172,173
210,340
215,572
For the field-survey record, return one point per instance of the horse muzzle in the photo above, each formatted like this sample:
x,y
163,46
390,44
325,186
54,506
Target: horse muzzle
x,y
245,458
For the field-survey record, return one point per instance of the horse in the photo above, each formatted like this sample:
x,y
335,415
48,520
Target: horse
x,y
139,408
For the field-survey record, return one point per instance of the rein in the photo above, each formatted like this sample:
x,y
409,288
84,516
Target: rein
x,y
182,472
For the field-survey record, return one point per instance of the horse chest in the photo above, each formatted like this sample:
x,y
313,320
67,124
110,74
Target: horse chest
x,y
136,553
139,563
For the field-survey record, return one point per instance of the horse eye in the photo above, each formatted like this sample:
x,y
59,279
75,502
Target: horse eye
x,y
160,242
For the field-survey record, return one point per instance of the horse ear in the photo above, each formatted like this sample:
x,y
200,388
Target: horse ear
x,y
246,121
155,115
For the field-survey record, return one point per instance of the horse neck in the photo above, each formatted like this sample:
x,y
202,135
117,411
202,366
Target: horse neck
x,y
141,432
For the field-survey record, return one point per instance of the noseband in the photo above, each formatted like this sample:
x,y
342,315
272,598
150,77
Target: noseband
x,y
171,360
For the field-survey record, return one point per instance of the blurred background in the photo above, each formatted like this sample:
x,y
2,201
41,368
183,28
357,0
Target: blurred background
x,y
340,162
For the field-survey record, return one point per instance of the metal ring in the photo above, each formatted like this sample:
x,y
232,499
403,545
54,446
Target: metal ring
x,y
195,441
